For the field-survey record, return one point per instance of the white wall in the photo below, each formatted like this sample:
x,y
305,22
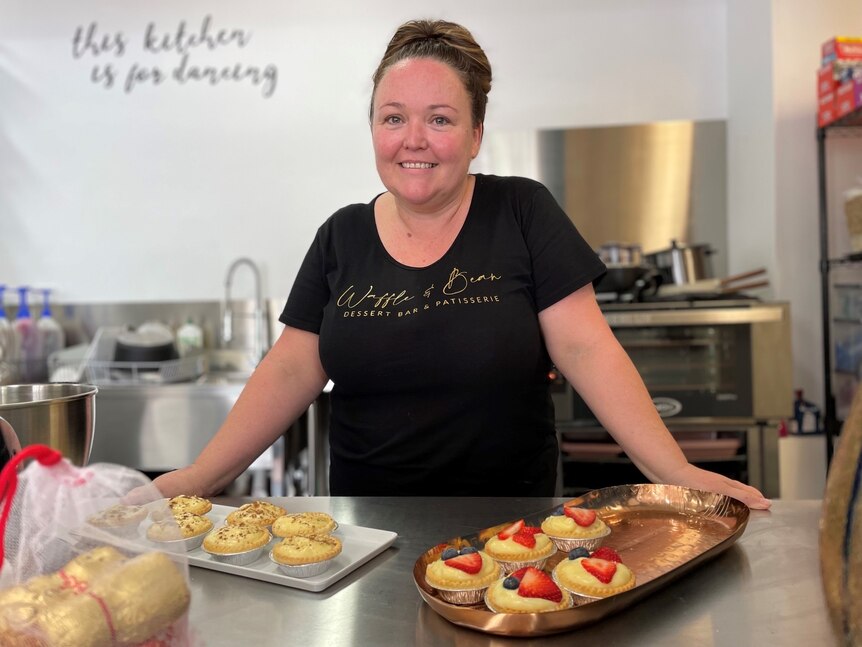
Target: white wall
x,y
773,53
149,195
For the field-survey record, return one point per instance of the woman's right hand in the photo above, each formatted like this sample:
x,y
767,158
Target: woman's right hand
x,y
180,481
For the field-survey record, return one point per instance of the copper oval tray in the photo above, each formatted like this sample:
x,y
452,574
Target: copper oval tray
x,y
661,532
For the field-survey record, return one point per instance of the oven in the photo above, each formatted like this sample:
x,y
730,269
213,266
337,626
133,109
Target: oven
x,y
720,375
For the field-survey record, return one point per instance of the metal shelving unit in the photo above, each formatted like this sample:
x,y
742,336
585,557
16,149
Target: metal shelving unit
x,y
848,126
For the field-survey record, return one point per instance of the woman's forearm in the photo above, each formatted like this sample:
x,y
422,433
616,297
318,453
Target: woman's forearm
x,y
282,387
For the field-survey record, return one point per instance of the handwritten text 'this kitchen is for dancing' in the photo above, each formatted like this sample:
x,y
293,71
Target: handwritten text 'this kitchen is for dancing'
x,y
181,42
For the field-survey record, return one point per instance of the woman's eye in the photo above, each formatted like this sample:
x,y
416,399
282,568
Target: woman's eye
x,y
440,121
392,119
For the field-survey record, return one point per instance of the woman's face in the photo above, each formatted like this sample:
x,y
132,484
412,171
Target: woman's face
x,y
423,134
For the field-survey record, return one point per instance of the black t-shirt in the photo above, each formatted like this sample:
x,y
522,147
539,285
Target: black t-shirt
x,y
441,372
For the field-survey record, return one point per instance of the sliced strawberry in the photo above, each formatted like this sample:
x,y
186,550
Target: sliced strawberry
x,y
470,563
511,530
530,530
520,572
524,538
608,553
601,569
537,584
582,516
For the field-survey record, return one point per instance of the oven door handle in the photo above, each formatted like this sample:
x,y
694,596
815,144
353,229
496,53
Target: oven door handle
x,y
695,317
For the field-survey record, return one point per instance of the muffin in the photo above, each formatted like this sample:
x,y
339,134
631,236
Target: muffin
x,y
120,519
527,590
185,528
190,503
571,526
462,576
596,575
237,545
520,545
304,524
300,556
260,514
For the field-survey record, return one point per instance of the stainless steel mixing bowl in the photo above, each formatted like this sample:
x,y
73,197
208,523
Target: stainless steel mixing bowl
x,y
61,416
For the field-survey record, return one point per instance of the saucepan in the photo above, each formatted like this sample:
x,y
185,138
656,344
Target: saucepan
x,y
60,415
680,264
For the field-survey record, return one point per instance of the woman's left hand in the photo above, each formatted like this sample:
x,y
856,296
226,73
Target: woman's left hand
x,y
700,479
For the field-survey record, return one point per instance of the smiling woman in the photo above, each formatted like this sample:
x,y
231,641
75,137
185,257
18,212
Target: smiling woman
x,y
490,284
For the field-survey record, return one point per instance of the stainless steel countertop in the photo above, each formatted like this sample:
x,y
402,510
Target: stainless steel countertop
x,y
764,590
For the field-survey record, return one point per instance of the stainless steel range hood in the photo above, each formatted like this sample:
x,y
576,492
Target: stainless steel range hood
x,y
645,184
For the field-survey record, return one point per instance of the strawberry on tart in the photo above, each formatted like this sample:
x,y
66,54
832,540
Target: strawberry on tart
x,y
520,545
570,527
461,576
599,574
527,590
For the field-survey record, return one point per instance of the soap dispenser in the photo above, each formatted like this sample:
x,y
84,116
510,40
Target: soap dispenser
x,y
27,338
51,335
8,345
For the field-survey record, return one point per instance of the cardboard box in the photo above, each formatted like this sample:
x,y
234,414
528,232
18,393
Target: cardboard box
x,y
842,47
845,99
826,81
826,109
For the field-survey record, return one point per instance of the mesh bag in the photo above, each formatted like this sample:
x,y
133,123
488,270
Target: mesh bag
x,y
75,569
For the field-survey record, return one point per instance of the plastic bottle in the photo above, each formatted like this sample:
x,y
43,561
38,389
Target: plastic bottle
x,y
51,335
30,354
190,338
8,346
806,416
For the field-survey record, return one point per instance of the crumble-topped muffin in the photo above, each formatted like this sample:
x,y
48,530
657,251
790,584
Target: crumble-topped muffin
x,y
304,524
183,525
189,503
119,518
229,540
297,550
257,513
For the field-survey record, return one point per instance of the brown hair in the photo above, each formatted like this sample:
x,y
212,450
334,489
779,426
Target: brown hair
x,y
448,43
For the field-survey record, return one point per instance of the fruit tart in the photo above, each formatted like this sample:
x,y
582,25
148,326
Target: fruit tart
x,y
520,545
527,590
570,527
462,576
599,574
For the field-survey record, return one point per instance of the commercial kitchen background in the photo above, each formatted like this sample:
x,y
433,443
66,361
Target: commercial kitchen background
x,y
147,195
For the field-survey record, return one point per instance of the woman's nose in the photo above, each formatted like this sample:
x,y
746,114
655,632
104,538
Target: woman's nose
x,y
414,136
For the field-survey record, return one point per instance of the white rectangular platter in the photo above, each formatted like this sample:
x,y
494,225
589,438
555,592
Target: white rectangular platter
x,y
359,545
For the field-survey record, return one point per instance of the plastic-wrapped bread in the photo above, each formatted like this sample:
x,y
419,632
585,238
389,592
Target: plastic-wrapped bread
x,y
95,601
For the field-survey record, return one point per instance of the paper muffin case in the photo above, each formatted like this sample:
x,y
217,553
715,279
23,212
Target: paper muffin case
x,y
243,558
566,544
567,604
511,567
303,570
460,596
178,545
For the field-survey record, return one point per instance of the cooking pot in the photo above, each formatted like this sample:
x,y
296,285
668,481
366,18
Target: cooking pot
x,y
146,346
681,264
61,416
620,253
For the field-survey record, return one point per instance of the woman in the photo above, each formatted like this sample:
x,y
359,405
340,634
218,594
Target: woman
x,y
437,310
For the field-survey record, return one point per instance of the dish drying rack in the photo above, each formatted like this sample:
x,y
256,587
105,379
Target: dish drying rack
x,y
95,364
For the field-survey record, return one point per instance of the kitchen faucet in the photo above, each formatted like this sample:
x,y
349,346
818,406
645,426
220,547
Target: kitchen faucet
x,y
227,322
